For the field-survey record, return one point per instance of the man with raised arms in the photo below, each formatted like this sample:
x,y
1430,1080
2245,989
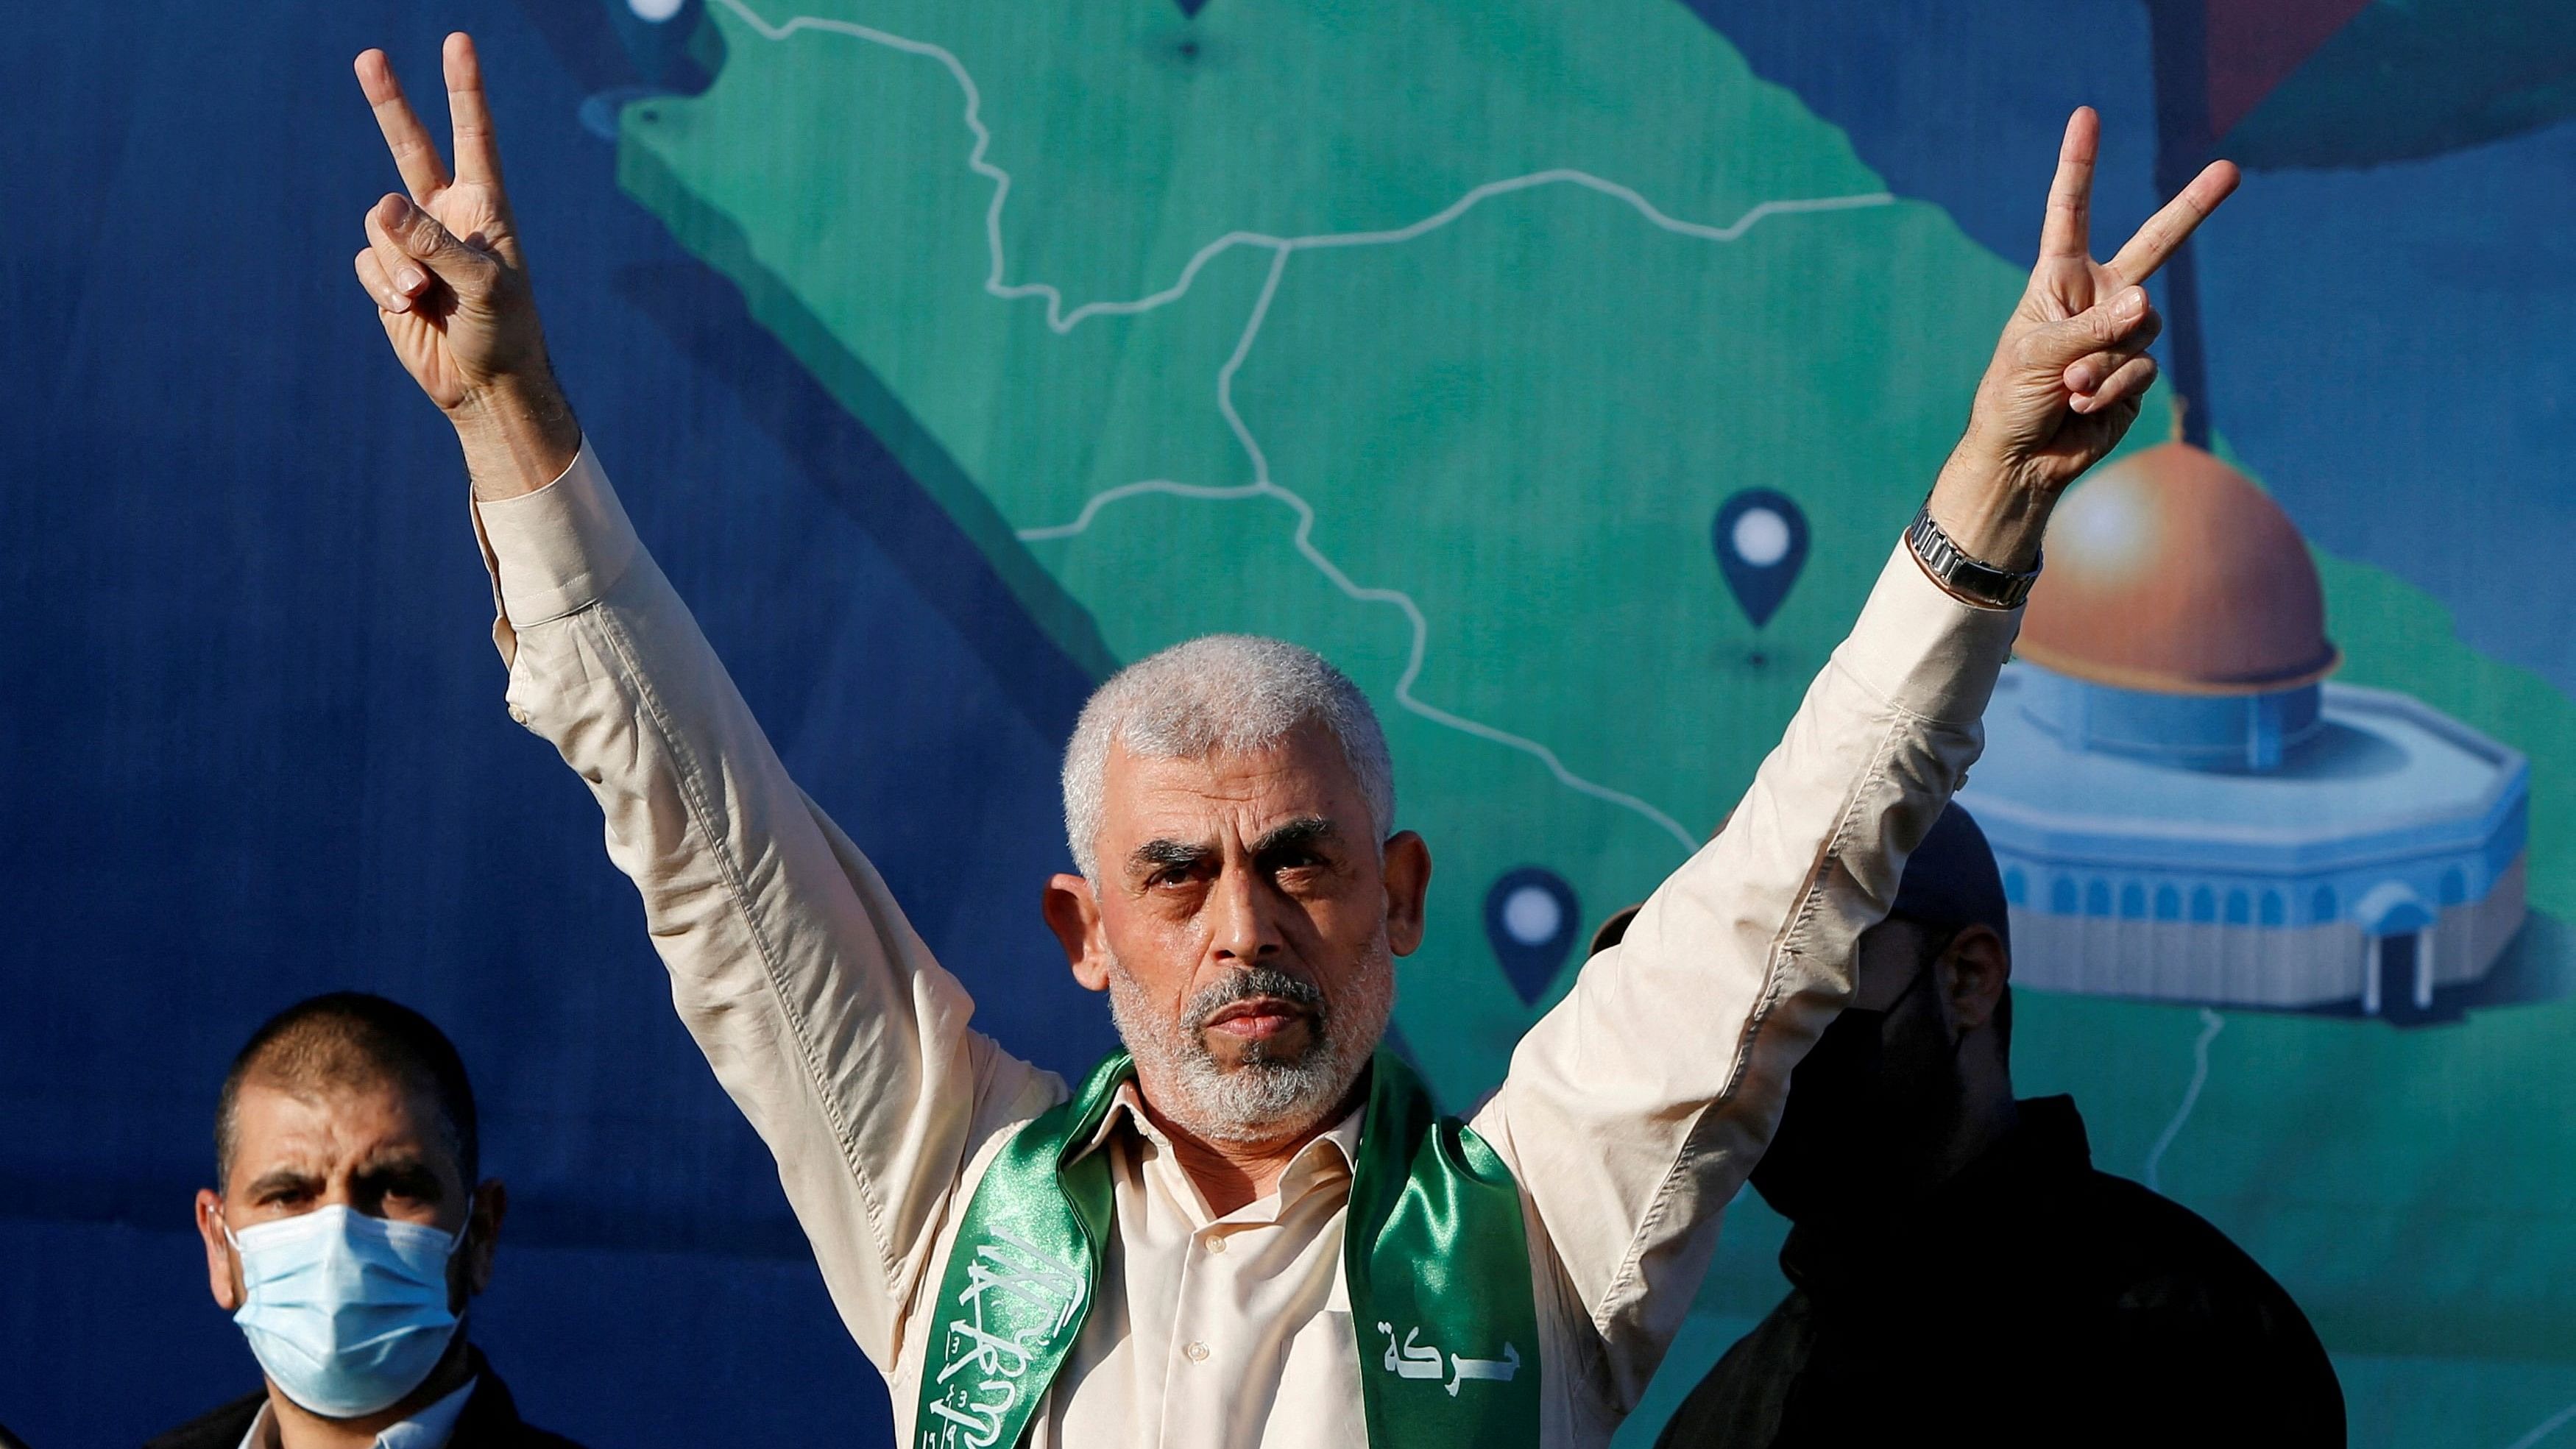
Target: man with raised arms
x,y
1249,1227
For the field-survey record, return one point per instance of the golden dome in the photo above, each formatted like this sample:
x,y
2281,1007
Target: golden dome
x,y
2170,571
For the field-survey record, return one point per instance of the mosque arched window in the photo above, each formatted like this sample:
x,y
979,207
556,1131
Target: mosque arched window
x,y
2240,908
2097,898
2321,906
2168,903
2204,906
2061,896
2133,902
2455,889
2274,910
2016,887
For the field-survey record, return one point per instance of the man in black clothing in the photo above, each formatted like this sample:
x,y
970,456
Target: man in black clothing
x,y
349,1234
1959,1271
489,1420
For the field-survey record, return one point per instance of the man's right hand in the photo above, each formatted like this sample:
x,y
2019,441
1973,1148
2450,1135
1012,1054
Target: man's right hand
x,y
451,285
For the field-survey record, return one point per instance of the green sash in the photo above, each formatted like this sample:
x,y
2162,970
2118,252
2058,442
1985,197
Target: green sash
x,y
1433,1248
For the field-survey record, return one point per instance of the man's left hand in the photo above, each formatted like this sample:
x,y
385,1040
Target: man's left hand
x,y
2072,368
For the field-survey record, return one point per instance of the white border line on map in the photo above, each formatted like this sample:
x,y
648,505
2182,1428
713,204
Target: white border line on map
x,y
1304,538
2211,1024
1281,248
2545,1428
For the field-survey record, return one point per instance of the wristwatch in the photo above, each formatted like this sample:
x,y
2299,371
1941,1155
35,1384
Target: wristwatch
x,y
1966,579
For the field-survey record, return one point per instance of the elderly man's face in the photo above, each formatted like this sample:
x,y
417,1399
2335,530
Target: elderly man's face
x,y
1244,923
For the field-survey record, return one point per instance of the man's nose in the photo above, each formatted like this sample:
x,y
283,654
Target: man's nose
x,y
1246,930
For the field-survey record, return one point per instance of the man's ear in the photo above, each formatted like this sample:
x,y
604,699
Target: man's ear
x,y
1975,969
491,1203
1408,881
1072,911
223,1275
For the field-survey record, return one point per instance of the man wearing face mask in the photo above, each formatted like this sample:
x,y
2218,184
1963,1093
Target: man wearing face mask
x,y
1959,1271
347,1236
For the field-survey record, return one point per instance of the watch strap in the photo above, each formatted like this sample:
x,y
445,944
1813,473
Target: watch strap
x,y
1964,577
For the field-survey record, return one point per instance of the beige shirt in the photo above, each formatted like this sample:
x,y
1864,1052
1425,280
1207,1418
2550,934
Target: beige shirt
x,y
1630,1115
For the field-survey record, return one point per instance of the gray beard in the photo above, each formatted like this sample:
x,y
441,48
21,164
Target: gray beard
x,y
1266,1096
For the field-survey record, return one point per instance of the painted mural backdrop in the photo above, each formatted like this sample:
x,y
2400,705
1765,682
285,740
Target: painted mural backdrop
x,y
1561,371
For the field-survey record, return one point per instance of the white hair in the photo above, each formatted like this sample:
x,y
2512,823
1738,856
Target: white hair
x,y
1223,692
1265,1094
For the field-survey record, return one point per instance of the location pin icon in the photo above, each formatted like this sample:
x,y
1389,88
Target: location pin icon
x,y
1761,540
1531,917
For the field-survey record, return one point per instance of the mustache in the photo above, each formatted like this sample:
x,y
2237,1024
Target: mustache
x,y
1247,984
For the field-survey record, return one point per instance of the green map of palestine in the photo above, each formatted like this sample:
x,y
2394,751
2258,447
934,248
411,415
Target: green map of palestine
x,y
1433,339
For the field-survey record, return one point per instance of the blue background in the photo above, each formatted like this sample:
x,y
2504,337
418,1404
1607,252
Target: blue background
x,y
255,746
251,736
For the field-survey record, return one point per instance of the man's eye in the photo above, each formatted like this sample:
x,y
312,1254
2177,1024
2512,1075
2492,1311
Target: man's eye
x,y
413,1187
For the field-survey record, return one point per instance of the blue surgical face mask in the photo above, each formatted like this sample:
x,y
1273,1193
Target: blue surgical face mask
x,y
346,1313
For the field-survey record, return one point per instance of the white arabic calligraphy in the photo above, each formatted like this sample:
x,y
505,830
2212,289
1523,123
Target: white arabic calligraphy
x,y
981,1423
1415,1361
1007,1278
1422,1361
1500,1370
1024,1271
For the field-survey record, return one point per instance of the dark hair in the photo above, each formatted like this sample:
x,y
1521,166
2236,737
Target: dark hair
x,y
352,1038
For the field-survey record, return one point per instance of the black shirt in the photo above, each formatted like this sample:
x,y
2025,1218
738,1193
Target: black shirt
x,y
2032,1300
490,1421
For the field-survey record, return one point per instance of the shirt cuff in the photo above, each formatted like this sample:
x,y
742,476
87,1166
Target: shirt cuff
x,y
1924,651
560,549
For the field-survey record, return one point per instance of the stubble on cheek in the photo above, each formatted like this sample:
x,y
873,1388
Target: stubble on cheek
x,y
1226,1087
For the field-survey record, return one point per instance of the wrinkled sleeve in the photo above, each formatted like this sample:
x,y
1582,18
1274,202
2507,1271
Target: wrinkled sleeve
x,y
823,1014
1633,1111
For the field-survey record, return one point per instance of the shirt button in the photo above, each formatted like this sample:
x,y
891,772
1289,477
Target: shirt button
x,y
1215,1243
1197,1351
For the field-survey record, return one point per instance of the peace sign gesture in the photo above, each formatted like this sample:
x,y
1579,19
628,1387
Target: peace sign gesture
x,y
448,277
2071,369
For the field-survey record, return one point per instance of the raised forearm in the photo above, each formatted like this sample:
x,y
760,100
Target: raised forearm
x,y
518,436
819,1008
1987,513
844,1043
1636,1107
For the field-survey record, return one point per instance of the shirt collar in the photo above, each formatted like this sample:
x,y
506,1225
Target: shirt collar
x,y
432,1426
1341,1140
428,1429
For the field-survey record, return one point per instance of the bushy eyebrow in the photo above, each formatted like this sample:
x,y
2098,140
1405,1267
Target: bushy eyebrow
x,y
281,1179
409,1173
1166,853
403,1170
1310,830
